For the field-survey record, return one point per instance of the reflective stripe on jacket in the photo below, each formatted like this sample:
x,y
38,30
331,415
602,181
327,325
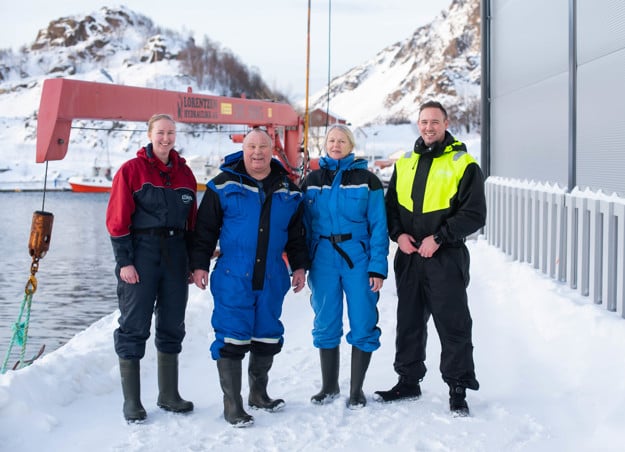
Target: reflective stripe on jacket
x,y
442,182
344,198
436,189
253,224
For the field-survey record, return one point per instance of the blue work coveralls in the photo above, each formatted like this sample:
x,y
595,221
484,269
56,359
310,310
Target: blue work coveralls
x,y
255,222
345,221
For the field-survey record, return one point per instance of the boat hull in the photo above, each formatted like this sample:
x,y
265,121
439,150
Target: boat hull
x,y
90,185
95,185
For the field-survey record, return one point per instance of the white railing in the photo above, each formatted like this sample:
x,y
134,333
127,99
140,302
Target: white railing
x,y
577,237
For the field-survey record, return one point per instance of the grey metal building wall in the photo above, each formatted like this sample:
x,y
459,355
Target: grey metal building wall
x,y
553,109
601,95
529,89
549,121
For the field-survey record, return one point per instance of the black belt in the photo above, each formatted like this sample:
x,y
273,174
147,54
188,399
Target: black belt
x,y
338,238
160,232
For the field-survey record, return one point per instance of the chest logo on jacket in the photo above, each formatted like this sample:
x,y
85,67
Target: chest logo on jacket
x,y
186,198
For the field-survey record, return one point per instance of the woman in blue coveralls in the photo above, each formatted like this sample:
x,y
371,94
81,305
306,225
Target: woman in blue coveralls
x,y
347,236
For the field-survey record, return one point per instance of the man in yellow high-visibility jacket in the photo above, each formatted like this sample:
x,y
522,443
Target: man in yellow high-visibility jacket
x,y
435,199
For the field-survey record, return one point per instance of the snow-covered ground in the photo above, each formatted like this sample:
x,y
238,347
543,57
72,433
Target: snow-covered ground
x,y
550,365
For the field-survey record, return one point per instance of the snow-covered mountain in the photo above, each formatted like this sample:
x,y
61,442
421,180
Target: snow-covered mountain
x,y
110,46
441,61
113,45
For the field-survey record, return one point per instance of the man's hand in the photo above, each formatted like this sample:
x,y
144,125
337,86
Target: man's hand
x,y
200,278
406,243
298,280
428,247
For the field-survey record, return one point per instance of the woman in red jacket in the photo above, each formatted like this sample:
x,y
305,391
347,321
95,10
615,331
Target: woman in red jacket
x,y
150,212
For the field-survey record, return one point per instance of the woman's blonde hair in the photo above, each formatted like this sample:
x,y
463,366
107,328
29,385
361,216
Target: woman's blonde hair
x,y
343,128
158,117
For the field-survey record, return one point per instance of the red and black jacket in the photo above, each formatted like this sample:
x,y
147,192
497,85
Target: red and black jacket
x,y
149,195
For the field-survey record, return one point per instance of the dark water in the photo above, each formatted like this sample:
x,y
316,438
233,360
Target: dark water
x,y
76,281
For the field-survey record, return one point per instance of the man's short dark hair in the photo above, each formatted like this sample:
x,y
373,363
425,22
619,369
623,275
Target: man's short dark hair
x,y
433,104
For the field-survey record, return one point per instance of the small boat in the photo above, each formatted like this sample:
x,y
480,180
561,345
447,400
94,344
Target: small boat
x,y
84,184
81,184
101,181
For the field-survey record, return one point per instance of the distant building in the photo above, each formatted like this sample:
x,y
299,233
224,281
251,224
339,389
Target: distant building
x,y
318,122
321,118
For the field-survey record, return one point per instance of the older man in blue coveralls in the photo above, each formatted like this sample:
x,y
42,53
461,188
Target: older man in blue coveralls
x,y
255,213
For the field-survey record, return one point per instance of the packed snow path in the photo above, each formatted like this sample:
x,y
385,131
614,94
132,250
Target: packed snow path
x,y
549,362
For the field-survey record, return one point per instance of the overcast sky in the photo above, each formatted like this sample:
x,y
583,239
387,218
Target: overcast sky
x,y
270,36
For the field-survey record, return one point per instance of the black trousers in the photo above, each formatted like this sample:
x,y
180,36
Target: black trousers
x,y
163,291
434,287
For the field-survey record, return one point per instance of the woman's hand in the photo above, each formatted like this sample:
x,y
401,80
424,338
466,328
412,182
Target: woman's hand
x,y
129,274
375,283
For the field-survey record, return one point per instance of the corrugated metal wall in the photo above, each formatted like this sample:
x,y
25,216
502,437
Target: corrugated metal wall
x,y
601,95
529,91
554,85
530,98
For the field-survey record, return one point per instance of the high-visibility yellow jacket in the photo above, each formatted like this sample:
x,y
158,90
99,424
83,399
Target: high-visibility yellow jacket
x,y
436,189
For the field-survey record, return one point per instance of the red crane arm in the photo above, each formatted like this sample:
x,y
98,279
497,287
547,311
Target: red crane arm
x,y
63,100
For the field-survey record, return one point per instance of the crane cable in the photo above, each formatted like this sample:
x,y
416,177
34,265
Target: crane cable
x,y
38,245
306,114
306,109
329,63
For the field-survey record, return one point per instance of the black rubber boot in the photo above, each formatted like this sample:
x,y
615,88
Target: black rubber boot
x,y
360,364
230,381
258,371
131,388
457,401
405,389
330,359
168,397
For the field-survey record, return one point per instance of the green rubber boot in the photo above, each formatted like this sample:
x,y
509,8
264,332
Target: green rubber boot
x,y
258,378
131,388
168,397
330,359
230,381
360,364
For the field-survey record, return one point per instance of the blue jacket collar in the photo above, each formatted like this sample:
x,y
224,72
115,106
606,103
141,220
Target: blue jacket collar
x,y
234,163
348,162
